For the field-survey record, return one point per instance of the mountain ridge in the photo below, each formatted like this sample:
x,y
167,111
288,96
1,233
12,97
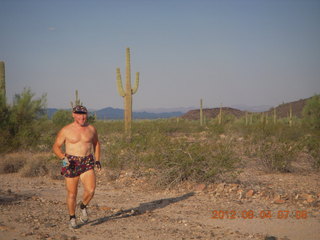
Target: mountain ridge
x,y
282,110
110,113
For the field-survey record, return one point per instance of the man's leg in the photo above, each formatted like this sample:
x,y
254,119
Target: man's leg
x,y
88,180
72,190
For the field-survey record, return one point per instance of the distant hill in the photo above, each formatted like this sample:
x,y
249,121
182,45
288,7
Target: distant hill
x,y
167,110
282,111
110,113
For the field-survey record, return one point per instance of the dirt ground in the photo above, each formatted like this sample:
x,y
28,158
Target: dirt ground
x,y
259,206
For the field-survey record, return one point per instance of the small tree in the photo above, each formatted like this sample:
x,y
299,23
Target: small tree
x,y
311,112
62,118
25,118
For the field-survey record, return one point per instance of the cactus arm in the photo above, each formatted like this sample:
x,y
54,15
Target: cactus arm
x,y
119,84
201,113
136,84
77,101
2,81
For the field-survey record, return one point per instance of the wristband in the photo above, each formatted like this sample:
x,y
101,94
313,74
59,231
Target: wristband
x,y
98,164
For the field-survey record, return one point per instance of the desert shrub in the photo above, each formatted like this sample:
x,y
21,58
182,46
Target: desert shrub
x,y
62,118
109,127
54,169
311,112
40,165
216,129
12,163
228,118
23,123
194,161
29,164
175,160
91,118
167,126
4,124
34,168
276,156
312,144
259,131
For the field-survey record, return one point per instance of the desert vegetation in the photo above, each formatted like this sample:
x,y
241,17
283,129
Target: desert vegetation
x,y
168,151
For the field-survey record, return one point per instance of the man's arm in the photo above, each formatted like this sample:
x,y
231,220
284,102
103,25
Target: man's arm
x,y
96,145
60,140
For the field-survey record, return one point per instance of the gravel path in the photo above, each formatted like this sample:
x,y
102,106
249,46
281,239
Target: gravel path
x,y
34,208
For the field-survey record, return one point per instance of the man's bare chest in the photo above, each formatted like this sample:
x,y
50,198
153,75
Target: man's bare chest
x,y
79,137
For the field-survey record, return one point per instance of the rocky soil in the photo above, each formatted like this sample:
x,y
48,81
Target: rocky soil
x,y
259,206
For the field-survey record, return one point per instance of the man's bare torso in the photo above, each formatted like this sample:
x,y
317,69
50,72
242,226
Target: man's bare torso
x,y
79,139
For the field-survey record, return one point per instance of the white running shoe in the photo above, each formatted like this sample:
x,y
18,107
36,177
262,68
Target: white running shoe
x,y
84,215
73,223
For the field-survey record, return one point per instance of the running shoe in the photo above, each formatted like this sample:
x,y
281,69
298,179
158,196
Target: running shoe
x,y
73,223
84,215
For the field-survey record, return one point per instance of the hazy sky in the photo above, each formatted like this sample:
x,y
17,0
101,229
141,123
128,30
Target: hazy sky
x,y
258,52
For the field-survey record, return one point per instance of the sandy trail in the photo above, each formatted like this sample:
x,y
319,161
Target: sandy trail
x,y
34,208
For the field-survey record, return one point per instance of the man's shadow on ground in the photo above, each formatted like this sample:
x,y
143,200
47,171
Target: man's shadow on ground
x,y
141,209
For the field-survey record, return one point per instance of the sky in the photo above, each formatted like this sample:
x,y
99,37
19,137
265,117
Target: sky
x,y
226,52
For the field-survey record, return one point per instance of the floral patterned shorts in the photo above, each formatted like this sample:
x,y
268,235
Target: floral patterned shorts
x,y
78,165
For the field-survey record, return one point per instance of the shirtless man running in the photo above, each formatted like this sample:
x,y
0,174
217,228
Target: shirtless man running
x,y
82,152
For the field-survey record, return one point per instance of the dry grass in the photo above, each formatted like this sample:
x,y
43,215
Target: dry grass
x,y
29,164
12,163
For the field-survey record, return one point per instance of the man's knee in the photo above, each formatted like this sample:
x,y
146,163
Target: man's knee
x,y
72,195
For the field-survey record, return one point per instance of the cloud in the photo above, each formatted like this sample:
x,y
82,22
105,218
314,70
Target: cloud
x,y
51,28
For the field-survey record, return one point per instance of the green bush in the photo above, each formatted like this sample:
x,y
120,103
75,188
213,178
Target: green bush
x,y
312,145
311,112
194,161
175,160
21,123
276,156
61,118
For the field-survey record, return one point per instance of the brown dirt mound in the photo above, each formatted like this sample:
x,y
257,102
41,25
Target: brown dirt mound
x,y
282,111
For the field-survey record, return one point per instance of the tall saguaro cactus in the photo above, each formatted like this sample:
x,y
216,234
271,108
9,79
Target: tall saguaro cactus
x,y
220,115
77,101
290,115
201,113
2,82
127,92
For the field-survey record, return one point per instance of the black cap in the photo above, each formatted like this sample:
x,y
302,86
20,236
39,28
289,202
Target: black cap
x,y
80,109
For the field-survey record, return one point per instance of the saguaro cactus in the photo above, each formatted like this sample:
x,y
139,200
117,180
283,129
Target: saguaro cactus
x,y
290,116
127,92
77,101
2,82
220,114
246,116
201,113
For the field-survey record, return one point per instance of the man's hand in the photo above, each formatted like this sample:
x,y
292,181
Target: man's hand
x,y
98,164
65,162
